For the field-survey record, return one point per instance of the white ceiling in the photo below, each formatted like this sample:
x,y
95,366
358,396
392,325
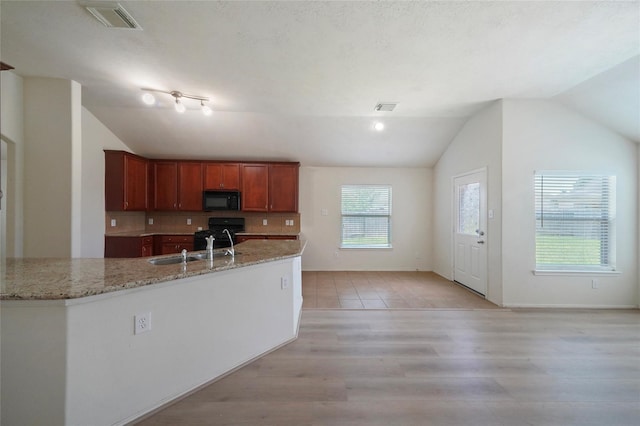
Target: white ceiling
x,y
299,80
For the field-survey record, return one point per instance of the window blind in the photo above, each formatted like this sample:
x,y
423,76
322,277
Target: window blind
x,y
366,216
575,221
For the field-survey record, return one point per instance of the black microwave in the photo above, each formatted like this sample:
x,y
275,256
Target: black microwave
x,y
220,200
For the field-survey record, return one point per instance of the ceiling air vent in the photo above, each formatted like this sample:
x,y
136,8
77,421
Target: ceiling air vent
x,y
385,107
112,15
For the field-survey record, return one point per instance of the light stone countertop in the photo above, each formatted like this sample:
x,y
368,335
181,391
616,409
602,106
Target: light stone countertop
x,y
55,279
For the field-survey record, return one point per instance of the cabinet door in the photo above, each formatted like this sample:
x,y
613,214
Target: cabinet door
x,y
165,185
125,181
221,176
189,186
135,183
255,187
122,246
170,244
231,176
212,178
283,187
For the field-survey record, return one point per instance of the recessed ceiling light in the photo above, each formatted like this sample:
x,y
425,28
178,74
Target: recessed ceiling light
x,y
379,126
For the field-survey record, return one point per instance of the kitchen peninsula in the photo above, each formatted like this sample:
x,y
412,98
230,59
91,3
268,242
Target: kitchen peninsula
x,y
71,354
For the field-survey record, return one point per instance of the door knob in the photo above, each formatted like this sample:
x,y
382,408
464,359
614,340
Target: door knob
x,y
479,232
481,242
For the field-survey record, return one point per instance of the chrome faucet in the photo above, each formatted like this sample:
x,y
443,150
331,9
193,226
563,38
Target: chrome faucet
x,y
184,255
210,239
229,251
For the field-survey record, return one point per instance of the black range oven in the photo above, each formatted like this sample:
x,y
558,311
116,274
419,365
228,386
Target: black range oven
x,y
217,225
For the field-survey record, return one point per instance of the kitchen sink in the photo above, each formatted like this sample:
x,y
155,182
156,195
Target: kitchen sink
x,y
173,259
190,257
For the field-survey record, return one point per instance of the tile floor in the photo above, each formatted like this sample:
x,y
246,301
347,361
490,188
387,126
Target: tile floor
x,y
386,290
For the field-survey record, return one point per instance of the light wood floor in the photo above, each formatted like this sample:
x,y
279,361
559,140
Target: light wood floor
x,y
435,367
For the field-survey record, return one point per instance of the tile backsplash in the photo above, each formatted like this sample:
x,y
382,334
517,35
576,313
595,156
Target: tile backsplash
x,y
166,222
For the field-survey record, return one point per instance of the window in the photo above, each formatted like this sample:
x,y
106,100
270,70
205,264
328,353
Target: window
x,y
366,216
575,221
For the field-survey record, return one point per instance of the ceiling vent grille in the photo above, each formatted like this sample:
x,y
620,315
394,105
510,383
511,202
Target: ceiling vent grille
x,y
112,15
385,107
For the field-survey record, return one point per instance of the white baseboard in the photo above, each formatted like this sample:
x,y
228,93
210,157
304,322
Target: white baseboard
x,y
566,306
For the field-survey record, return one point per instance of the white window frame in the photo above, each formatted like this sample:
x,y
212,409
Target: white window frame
x,y
344,244
575,215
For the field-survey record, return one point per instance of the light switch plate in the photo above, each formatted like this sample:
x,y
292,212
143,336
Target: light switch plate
x,y
150,221
264,222
113,222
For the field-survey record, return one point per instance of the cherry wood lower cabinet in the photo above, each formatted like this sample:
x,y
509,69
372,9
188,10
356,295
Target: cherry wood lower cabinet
x,y
128,246
168,244
243,238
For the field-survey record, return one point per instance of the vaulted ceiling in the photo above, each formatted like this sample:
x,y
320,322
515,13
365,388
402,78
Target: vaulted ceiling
x,y
300,80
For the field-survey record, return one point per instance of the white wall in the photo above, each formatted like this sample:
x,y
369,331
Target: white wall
x,y
411,219
78,362
64,169
542,135
50,109
477,145
12,132
95,139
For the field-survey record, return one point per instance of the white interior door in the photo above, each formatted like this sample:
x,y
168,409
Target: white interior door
x,y
470,224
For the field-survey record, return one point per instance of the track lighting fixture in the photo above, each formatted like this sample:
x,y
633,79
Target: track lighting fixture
x,y
205,109
180,107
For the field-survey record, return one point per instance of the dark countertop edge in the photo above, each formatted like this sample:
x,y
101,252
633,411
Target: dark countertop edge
x,y
151,234
277,234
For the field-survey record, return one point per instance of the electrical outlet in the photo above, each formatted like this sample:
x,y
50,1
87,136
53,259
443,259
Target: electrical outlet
x,y
291,222
284,283
199,228
142,323
113,222
150,221
264,222
189,221
336,254
594,283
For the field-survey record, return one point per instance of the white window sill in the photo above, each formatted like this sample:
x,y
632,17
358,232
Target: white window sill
x,y
568,273
365,248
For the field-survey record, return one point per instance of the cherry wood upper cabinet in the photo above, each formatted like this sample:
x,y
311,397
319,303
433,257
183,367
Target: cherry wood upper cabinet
x,y
255,187
270,187
283,187
190,186
126,182
177,185
165,185
221,176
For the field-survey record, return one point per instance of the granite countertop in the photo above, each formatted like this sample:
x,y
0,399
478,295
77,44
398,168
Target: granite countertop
x,y
55,279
